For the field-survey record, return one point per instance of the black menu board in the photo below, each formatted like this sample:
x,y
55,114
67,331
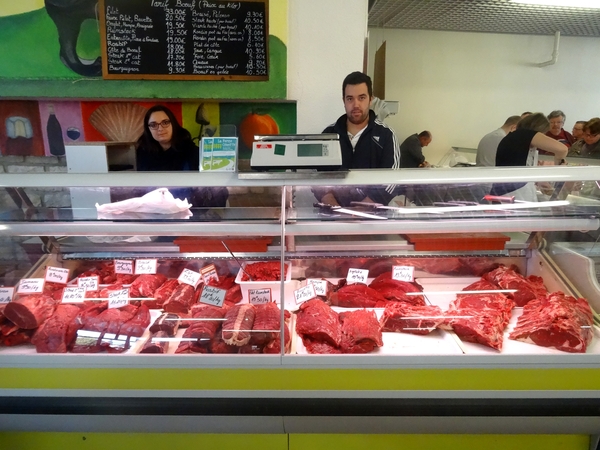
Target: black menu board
x,y
185,39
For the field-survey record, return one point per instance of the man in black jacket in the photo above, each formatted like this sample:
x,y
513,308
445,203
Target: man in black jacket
x,y
366,143
412,150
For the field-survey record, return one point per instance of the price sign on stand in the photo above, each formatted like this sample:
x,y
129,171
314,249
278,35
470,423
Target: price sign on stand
x,y
118,298
145,266
209,273
304,294
88,283
320,286
212,296
6,294
259,296
190,277
31,286
124,266
73,295
403,273
57,275
357,276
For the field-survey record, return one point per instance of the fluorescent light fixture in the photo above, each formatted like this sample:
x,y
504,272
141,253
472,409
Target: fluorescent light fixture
x,y
566,3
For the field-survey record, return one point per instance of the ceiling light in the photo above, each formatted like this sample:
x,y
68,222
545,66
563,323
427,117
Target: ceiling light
x,y
564,3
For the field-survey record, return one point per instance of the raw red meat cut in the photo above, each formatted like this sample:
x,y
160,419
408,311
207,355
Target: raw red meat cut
x,y
109,320
167,323
233,295
18,337
442,266
558,321
145,285
162,294
266,325
361,332
357,296
317,321
217,345
318,347
191,346
481,326
108,289
155,344
412,319
274,346
181,300
137,324
264,271
207,323
30,311
478,266
495,301
54,335
238,324
224,282
386,278
528,288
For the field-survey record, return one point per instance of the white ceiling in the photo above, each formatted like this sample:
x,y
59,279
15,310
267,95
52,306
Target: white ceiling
x,y
487,16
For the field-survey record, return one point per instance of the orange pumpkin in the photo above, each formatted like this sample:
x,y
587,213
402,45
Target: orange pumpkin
x,y
256,124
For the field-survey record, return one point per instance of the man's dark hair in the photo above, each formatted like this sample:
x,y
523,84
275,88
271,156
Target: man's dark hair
x,y
424,134
357,78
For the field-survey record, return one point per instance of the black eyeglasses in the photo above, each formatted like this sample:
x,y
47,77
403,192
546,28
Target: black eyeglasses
x,y
154,125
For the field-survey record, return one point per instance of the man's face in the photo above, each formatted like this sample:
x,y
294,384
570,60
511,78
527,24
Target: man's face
x,y
578,131
425,141
556,123
357,103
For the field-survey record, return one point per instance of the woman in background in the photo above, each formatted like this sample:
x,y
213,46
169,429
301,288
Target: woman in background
x,y
589,145
166,146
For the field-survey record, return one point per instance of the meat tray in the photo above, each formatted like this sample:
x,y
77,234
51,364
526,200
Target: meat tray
x,y
289,287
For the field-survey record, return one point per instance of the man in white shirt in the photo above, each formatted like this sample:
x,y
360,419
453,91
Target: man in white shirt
x,y
486,150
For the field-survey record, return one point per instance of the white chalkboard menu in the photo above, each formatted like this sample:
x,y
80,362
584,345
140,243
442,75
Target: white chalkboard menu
x,y
185,39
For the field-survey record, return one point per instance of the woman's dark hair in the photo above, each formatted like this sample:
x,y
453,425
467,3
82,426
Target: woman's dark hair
x,y
536,121
179,133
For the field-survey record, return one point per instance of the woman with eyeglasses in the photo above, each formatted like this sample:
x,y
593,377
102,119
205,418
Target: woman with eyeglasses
x,y
166,146
589,145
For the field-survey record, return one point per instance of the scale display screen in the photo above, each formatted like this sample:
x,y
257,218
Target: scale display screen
x,y
305,150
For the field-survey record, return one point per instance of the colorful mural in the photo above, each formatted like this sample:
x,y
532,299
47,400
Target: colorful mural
x,y
20,129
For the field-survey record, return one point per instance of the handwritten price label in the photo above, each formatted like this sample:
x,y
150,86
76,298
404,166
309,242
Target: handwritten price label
x,y
143,266
212,296
118,298
209,273
31,286
6,294
190,277
259,296
403,273
320,286
357,276
304,294
73,295
124,266
57,275
88,283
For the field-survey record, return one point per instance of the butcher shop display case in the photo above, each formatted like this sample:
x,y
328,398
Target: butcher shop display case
x,y
445,270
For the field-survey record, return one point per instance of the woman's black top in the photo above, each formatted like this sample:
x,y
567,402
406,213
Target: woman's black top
x,y
184,156
513,149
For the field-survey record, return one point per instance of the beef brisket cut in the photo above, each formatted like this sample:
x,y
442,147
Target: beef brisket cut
x,y
357,296
162,294
558,321
137,324
181,300
54,336
406,318
318,347
145,285
167,323
317,321
495,301
30,311
528,288
481,326
238,323
361,332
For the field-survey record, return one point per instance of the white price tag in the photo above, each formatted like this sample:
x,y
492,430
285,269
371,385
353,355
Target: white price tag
x,y
73,295
304,294
190,277
88,283
403,273
118,298
6,294
357,276
320,286
31,286
124,266
209,273
57,275
145,266
212,296
259,296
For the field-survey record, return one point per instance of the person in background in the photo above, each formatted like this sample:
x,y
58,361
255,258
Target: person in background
x,y
411,150
578,130
557,120
486,149
519,148
366,143
166,146
589,145
526,113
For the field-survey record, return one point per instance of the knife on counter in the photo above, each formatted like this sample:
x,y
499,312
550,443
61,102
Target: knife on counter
x,y
339,209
